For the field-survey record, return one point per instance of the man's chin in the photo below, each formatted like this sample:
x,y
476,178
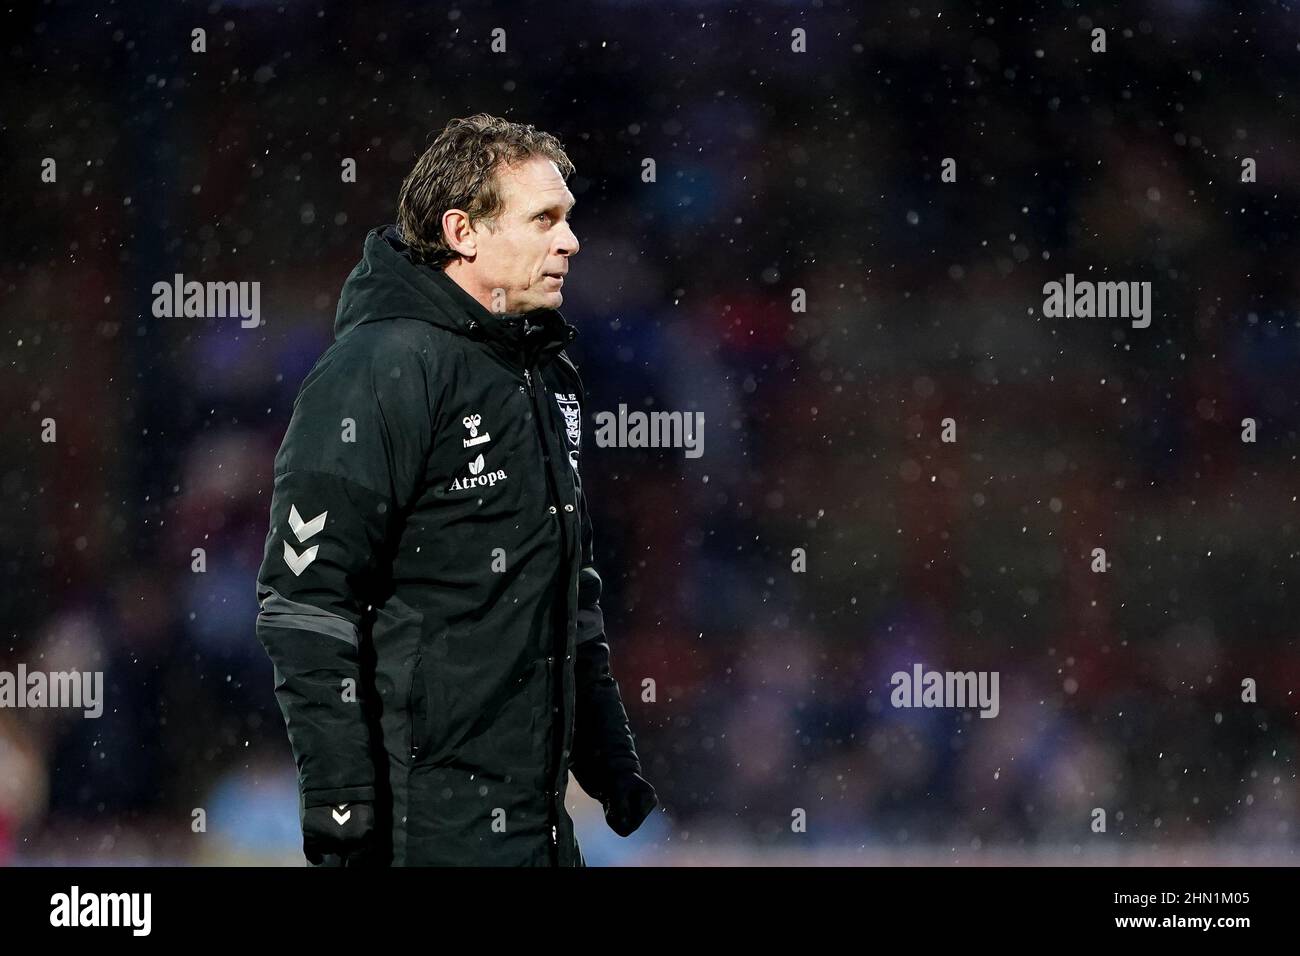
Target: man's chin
x,y
547,300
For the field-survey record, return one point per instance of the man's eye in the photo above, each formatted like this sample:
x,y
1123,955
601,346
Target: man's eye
x,y
542,215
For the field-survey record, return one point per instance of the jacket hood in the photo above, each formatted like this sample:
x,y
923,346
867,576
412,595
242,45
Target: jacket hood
x,y
388,283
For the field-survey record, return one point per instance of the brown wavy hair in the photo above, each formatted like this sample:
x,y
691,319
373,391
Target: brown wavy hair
x,y
459,171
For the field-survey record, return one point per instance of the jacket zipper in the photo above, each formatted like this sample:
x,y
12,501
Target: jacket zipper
x,y
417,731
564,544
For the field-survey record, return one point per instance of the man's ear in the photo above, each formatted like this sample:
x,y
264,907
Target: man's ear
x,y
458,232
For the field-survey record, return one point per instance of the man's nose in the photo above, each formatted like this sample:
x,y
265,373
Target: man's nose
x,y
569,244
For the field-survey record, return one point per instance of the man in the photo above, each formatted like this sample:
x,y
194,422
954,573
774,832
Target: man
x,y
428,594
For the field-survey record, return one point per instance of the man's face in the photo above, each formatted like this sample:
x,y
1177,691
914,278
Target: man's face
x,y
521,261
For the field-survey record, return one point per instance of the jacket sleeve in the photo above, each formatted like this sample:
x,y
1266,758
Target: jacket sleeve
x,y
603,744
351,462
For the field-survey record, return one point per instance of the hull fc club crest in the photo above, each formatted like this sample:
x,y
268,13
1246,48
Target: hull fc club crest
x,y
572,420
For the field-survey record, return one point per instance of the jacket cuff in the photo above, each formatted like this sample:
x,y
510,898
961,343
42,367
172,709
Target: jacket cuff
x,y
322,798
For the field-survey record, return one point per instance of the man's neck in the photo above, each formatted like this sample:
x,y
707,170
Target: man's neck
x,y
457,273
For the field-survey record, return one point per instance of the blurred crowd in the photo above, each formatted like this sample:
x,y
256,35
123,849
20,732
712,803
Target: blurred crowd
x,y
755,689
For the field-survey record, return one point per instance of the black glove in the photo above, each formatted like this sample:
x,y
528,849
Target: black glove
x,y
628,802
604,759
339,835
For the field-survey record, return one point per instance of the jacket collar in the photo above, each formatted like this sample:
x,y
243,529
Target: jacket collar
x,y
534,336
530,337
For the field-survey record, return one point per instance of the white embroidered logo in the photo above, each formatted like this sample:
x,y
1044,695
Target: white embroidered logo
x,y
572,415
472,422
303,530
477,478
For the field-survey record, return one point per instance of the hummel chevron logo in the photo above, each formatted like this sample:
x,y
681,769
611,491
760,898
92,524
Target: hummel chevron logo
x,y
298,562
342,818
304,530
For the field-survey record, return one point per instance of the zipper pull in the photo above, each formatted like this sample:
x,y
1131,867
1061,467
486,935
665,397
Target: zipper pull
x,y
528,377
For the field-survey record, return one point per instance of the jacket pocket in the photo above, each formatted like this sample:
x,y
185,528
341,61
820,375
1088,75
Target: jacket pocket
x,y
428,708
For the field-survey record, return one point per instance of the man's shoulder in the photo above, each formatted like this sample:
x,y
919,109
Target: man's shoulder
x,y
385,344
396,333
383,359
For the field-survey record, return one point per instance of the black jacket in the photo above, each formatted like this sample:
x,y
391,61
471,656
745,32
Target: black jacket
x,y
428,587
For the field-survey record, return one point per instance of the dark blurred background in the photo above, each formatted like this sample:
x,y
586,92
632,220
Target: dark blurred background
x,y
776,171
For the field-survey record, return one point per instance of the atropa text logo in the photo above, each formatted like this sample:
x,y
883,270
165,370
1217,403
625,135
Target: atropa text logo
x,y
477,478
